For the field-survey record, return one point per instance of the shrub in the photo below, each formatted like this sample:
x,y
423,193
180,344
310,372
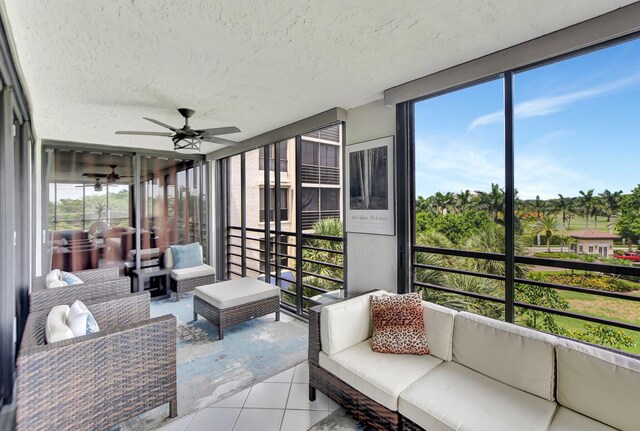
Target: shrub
x,y
587,281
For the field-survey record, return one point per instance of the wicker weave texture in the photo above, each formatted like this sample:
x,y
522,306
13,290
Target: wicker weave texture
x,y
102,379
234,315
408,425
188,285
45,299
87,276
361,407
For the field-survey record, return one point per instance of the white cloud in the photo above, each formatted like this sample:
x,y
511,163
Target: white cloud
x,y
551,104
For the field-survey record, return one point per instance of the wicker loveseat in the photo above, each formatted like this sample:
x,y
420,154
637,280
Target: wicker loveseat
x,y
98,380
481,374
98,283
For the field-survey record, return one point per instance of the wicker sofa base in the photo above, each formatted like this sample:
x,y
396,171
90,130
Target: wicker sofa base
x,y
188,285
226,317
361,407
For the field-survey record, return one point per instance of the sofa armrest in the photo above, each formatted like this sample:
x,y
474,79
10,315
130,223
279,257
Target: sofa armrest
x,y
118,372
120,311
45,299
314,334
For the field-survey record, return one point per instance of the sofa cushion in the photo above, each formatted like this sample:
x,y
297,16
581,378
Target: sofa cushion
x,y
438,322
54,279
70,278
453,397
600,384
380,376
56,328
398,325
345,323
194,272
186,256
236,292
568,420
489,346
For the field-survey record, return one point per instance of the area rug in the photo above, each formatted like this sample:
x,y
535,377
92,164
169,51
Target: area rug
x,y
209,369
339,421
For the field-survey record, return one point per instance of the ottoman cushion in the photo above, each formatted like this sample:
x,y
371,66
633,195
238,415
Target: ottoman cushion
x,y
236,292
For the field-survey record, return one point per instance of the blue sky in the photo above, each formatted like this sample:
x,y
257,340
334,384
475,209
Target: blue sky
x,y
577,127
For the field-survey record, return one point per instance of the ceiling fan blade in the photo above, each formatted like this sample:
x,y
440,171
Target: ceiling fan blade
x,y
94,175
219,131
160,123
125,132
220,141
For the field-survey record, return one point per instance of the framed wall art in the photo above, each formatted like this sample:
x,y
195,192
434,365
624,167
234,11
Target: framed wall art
x,y
370,187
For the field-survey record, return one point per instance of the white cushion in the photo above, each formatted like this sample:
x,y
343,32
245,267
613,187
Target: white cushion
x,y
168,258
380,376
193,272
56,328
438,323
568,420
520,357
80,320
600,384
345,324
54,279
236,292
455,398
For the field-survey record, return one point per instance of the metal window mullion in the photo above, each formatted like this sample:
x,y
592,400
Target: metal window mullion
x,y
406,200
267,223
277,207
243,212
298,226
509,264
137,205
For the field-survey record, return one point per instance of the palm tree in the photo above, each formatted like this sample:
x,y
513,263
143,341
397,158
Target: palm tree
x,y
562,206
612,205
444,201
463,200
492,202
586,204
549,226
540,207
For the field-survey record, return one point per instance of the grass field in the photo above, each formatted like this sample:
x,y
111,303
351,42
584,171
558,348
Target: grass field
x,y
607,308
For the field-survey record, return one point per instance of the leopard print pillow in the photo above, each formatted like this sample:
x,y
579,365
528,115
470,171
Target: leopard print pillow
x,y
398,326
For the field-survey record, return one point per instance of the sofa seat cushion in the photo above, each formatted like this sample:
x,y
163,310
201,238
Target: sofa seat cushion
x,y
568,420
195,272
233,293
599,384
380,376
453,397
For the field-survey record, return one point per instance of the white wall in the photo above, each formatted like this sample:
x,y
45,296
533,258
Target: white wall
x,y
371,259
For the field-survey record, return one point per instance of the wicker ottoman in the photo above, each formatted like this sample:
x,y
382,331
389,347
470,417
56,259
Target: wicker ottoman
x,y
235,301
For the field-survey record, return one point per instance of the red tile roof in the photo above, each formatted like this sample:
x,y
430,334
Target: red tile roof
x,y
592,234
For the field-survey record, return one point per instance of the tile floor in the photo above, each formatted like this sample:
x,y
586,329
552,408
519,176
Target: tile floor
x,y
280,403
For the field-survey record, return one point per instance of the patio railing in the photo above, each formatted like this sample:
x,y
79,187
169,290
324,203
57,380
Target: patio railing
x,y
301,272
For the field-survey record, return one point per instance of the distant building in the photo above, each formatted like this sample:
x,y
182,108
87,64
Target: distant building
x,y
593,241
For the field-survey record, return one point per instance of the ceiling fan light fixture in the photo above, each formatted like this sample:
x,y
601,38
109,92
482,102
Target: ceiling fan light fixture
x,y
97,187
187,145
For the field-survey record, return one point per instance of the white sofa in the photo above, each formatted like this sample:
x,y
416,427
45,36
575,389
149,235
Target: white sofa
x,y
482,374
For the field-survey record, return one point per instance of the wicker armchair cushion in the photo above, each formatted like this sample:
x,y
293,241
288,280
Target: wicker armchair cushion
x,y
56,328
80,320
54,279
70,278
186,256
194,272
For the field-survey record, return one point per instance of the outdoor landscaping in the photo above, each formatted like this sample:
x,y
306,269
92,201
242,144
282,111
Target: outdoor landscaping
x,y
474,221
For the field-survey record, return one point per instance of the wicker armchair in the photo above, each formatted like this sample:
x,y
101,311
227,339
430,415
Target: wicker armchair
x,y
98,283
102,379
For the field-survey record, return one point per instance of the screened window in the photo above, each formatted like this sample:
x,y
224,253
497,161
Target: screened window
x,y
284,204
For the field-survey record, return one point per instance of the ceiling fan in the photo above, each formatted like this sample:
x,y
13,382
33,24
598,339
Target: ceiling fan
x,y
111,177
96,187
187,139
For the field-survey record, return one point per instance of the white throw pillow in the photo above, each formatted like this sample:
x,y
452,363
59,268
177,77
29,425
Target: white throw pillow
x,y
56,328
54,279
80,320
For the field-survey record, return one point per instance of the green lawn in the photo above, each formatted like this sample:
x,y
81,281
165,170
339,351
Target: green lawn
x,y
607,308
579,223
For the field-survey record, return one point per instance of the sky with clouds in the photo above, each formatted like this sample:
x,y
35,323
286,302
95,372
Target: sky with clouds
x,y
577,127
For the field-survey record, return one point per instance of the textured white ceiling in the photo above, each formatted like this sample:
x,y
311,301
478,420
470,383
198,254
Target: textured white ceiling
x,y
94,67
